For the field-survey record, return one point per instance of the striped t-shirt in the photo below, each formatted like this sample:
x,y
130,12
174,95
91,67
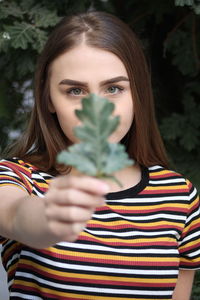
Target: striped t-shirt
x,y
132,248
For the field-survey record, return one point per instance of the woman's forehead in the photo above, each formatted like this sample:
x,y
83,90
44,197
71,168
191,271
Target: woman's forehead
x,y
84,60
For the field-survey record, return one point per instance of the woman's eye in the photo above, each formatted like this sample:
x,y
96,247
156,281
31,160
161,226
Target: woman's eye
x,y
114,89
75,91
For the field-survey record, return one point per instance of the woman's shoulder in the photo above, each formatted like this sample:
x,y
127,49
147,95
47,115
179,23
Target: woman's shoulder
x,y
16,163
163,172
24,166
169,176
24,174
20,166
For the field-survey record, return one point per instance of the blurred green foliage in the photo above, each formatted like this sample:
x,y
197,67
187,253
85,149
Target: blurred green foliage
x,y
170,33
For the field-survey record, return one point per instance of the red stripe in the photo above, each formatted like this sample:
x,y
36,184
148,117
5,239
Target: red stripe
x,y
20,171
131,262
40,188
121,262
8,178
164,191
189,264
9,253
191,228
17,167
130,244
37,290
167,175
124,226
185,249
144,211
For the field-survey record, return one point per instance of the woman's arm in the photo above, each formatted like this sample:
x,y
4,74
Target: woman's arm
x,y
60,216
184,285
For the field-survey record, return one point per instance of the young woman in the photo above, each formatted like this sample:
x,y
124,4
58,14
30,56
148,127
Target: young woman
x,y
69,236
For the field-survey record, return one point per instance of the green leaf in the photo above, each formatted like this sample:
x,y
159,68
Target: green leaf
x,y
183,2
95,156
78,156
21,34
194,4
95,117
116,158
43,17
8,8
180,45
40,37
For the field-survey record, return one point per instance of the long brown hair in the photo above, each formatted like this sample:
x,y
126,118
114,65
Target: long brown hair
x,y
44,138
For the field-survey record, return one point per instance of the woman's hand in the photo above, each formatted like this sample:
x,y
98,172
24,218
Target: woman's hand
x,y
70,203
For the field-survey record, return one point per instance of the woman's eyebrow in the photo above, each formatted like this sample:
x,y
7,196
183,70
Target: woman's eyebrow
x,y
114,80
102,83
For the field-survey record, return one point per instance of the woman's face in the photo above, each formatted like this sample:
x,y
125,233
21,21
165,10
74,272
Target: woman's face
x,y
84,70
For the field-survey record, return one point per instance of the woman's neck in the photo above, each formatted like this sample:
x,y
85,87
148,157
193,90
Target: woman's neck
x,y
128,177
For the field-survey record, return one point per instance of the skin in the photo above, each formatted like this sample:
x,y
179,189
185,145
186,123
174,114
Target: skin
x,y
82,69
71,199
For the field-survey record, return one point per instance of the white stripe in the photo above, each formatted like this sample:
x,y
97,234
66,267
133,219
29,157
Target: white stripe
x,y
192,216
149,200
131,233
98,269
46,175
42,176
13,183
194,192
138,218
37,176
25,296
38,193
94,289
191,236
16,256
115,250
156,167
10,173
166,181
193,254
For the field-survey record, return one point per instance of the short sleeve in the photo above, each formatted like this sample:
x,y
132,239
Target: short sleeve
x,y
189,244
14,173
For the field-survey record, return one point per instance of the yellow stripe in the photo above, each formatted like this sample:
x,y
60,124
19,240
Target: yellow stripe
x,y
96,277
163,172
153,206
113,257
193,260
196,201
21,163
62,294
128,241
15,185
12,267
187,228
11,248
40,184
122,222
193,244
168,187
